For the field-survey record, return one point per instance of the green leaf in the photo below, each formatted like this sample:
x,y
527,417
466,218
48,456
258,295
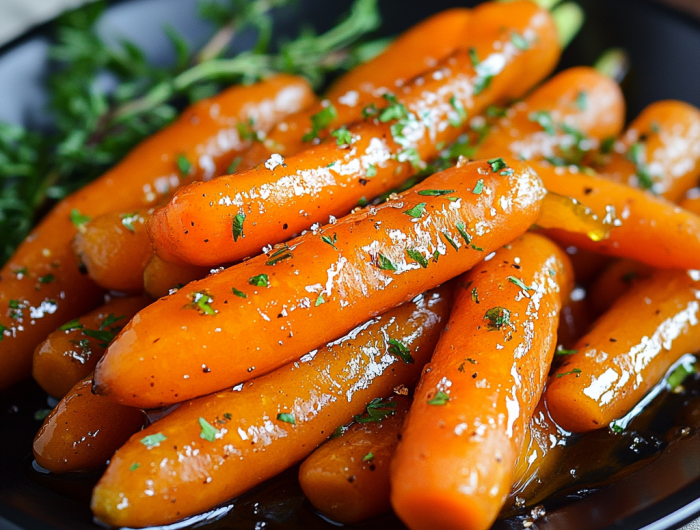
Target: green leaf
x,y
128,220
41,414
183,165
280,254
208,433
478,187
238,293
134,466
498,318
563,351
377,410
319,300
450,240
261,280
73,324
385,263
439,399
331,241
460,110
575,371
78,219
544,119
582,101
368,457
371,171
153,440
463,232
237,227
497,164
519,283
287,418
202,301
104,336
399,349
416,211
320,121
110,320
47,278
434,193
678,375
415,255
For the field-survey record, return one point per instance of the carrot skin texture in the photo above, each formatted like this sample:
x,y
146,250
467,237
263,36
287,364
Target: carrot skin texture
x,y
413,52
290,194
652,230
337,275
115,249
159,276
67,356
347,478
621,358
152,165
599,113
454,464
253,444
669,132
84,430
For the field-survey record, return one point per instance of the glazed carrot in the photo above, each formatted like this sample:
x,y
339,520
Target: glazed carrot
x,y
621,358
692,202
575,318
71,352
561,121
413,52
41,286
216,447
587,263
659,151
339,275
115,249
454,464
235,216
160,277
615,280
347,478
642,226
83,431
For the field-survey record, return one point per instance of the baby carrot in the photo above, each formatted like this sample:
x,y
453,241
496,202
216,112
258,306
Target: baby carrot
x,y
160,277
84,430
412,53
560,121
347,478
218,446
692,202
660,151
357,267
71,352
575,318
454,464
614,281
642,227
41,286
627,351
235,216
114,248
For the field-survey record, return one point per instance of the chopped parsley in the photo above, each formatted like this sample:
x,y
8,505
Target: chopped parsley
x,y
519,41
104,336
369,111
110,320
134,466
78,219
582,100
385,263
153,440
320,121
475,295
498,318
463,232
399,349
41,414
416,211
342,136
439,399
377,410
234,165
208,432
563,351
319,300
410,155
637,154
368,457
394,111
261,280
418,257
47,279
575,371
237,227
281,254
544,119
371,171
450,240
459,109
519,283
478,187
201,301
678,375
183,165
287,418
606,146
238,293
434,193
246,131
497,164
330,240
128,220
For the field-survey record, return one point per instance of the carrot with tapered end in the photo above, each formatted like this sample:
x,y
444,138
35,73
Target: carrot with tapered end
x,y
83,431
660,151
560,121
614,281
41,286
454,464
160,277
115,249
218,446
621,358
361,265
71,352
642,227
347,478
412,53
235,216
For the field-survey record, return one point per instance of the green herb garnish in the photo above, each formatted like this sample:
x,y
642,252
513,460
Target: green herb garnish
x,y
434,193
416,211
439,399
237,227
399,349
385,263
415,255
208,432
261,280
377,410
287,418
152,440
575,371
498,318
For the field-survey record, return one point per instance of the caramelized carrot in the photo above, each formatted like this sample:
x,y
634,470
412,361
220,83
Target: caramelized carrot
x,y
339,275
41,285
621,358
235,216
413,52
347,478
84,430
560,121
71,352
216,447
692,202
454,464
642,227
614,281
659,151
160,277
115,249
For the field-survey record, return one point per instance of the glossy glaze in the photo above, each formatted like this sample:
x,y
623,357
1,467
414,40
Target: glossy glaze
x,y
454,464
338,275
160,277
185,474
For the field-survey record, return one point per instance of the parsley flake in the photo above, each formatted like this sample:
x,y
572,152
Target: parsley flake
x,y
519,283
237,227
41,414
478,187
544,119
238,293
320,121
368,457
418,257
342,136
201,301
519,41
128,220
385,263
459,109
575,371
399,349
434,193
261,280
134,466
208,432
330,240
287,418
47,279
582,100
183,165
416,211
371,171
281,254
563,351
319,300
153,440
73,324
463,232
377,410
439,399
497,164
78,219
498,317
450,240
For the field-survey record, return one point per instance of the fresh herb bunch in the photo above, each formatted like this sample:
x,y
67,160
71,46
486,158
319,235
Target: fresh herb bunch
x,y
95,125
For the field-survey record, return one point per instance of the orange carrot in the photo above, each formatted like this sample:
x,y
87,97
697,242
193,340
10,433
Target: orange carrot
x,y
358,267
160,277
84,430
575,318
235,216
621,358
216,447
454,464
347,478
613,282
587,264
114,248
413,52
642,226
71,352
659,151
41,286
692,202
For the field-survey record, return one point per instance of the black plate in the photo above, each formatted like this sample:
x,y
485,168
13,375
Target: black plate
x,y
664,47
